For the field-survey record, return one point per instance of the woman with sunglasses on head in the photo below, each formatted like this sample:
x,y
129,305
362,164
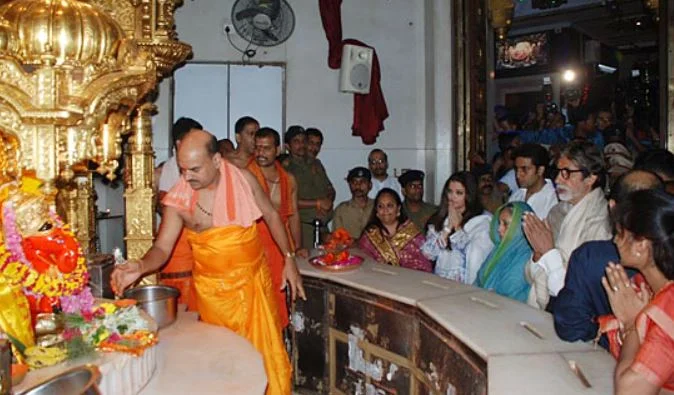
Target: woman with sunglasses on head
x,y
645,241
458,234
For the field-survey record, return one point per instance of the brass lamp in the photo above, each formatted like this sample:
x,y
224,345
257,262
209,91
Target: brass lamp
x,y
654,7
501,16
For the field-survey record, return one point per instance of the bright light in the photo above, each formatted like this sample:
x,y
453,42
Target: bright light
x,y
638,23
569,75
606,69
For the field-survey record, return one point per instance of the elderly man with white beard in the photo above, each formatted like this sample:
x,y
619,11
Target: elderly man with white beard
x,y
580,216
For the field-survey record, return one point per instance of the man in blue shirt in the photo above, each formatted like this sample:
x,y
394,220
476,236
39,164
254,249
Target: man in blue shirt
x,y
583,299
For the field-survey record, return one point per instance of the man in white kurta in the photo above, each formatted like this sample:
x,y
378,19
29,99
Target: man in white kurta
x,y
538,192
378,163
580,216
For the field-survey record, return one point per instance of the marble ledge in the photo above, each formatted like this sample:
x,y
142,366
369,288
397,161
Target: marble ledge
x,y
518,342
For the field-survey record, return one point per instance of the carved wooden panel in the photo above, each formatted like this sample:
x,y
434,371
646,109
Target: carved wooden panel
x,y
310,372
353,342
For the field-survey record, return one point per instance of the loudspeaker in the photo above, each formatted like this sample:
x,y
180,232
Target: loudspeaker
x,y
356,69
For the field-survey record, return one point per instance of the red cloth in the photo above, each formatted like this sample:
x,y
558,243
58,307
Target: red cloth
x,y
369,111
655,326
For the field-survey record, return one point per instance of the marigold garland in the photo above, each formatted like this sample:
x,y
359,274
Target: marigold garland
x,y
46,284
19,272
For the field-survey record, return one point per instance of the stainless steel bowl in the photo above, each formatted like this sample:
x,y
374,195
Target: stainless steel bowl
x,y
159,301
82,380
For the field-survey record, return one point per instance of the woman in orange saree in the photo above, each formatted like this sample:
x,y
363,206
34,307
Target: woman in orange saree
x,y
645,223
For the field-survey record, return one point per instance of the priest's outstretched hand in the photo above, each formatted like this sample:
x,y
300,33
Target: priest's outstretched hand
x,y
125,275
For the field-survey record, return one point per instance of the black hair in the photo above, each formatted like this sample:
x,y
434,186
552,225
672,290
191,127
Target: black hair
x,y
242,122
659,161
182,126
269,132
315,132
537,153
293,131
375,222
473,204
587,156
212,146
505,139
649,214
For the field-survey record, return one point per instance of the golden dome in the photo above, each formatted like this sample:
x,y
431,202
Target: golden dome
x,y
59,32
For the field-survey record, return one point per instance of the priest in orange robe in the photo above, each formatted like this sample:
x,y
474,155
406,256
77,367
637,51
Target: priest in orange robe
x,y
219,204
281,188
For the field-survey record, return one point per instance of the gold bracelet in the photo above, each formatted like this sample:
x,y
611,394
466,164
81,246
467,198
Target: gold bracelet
x,y
289,254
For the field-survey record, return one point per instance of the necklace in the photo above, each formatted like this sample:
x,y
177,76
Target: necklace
x,y
274,184
203,210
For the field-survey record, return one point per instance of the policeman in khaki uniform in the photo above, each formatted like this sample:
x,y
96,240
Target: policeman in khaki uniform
x,y
353,214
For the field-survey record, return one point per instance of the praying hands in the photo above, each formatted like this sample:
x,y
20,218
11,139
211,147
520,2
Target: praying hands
x,y
539,235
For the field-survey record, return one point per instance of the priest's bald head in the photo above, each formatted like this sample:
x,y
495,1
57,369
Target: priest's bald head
x,y
199,160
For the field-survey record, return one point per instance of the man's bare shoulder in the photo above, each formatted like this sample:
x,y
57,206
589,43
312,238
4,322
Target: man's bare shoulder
x,y
237,159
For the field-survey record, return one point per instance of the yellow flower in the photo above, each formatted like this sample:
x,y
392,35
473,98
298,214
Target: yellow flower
x,y
109,308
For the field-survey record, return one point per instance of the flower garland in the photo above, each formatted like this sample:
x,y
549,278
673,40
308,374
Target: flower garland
x,y
19,272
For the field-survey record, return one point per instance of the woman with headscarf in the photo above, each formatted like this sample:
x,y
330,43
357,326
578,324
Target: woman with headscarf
x,y
503,270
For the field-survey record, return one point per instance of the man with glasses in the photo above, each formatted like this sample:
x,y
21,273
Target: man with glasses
x,y
580,216
580,304
531,160
412,183
378,163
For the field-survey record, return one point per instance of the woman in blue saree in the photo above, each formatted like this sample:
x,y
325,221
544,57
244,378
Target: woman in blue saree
x,y
503,270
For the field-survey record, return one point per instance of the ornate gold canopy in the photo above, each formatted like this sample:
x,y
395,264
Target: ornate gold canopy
x,y
73,75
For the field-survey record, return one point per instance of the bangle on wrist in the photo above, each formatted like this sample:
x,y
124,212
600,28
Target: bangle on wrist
x,y
289,254
624,332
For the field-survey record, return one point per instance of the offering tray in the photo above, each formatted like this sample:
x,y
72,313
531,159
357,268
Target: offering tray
x,y
353,262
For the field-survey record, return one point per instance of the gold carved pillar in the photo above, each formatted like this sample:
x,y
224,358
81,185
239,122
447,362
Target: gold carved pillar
x,y
139,195
76,202
469,77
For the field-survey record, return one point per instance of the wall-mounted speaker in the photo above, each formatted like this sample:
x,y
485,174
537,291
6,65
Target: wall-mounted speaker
x,y
356,69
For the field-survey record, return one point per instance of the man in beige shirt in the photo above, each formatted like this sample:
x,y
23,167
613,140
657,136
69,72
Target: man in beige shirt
x,y
353,214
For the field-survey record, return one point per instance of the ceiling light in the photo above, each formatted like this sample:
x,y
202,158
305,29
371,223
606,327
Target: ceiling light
x,y
569,75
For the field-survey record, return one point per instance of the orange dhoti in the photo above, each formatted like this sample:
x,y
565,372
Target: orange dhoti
x,y
275,258
178,272
276,262
234,289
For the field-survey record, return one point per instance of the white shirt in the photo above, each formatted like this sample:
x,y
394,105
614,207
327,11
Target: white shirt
x,y
389,182
510,180
170,174
470,247
541,202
